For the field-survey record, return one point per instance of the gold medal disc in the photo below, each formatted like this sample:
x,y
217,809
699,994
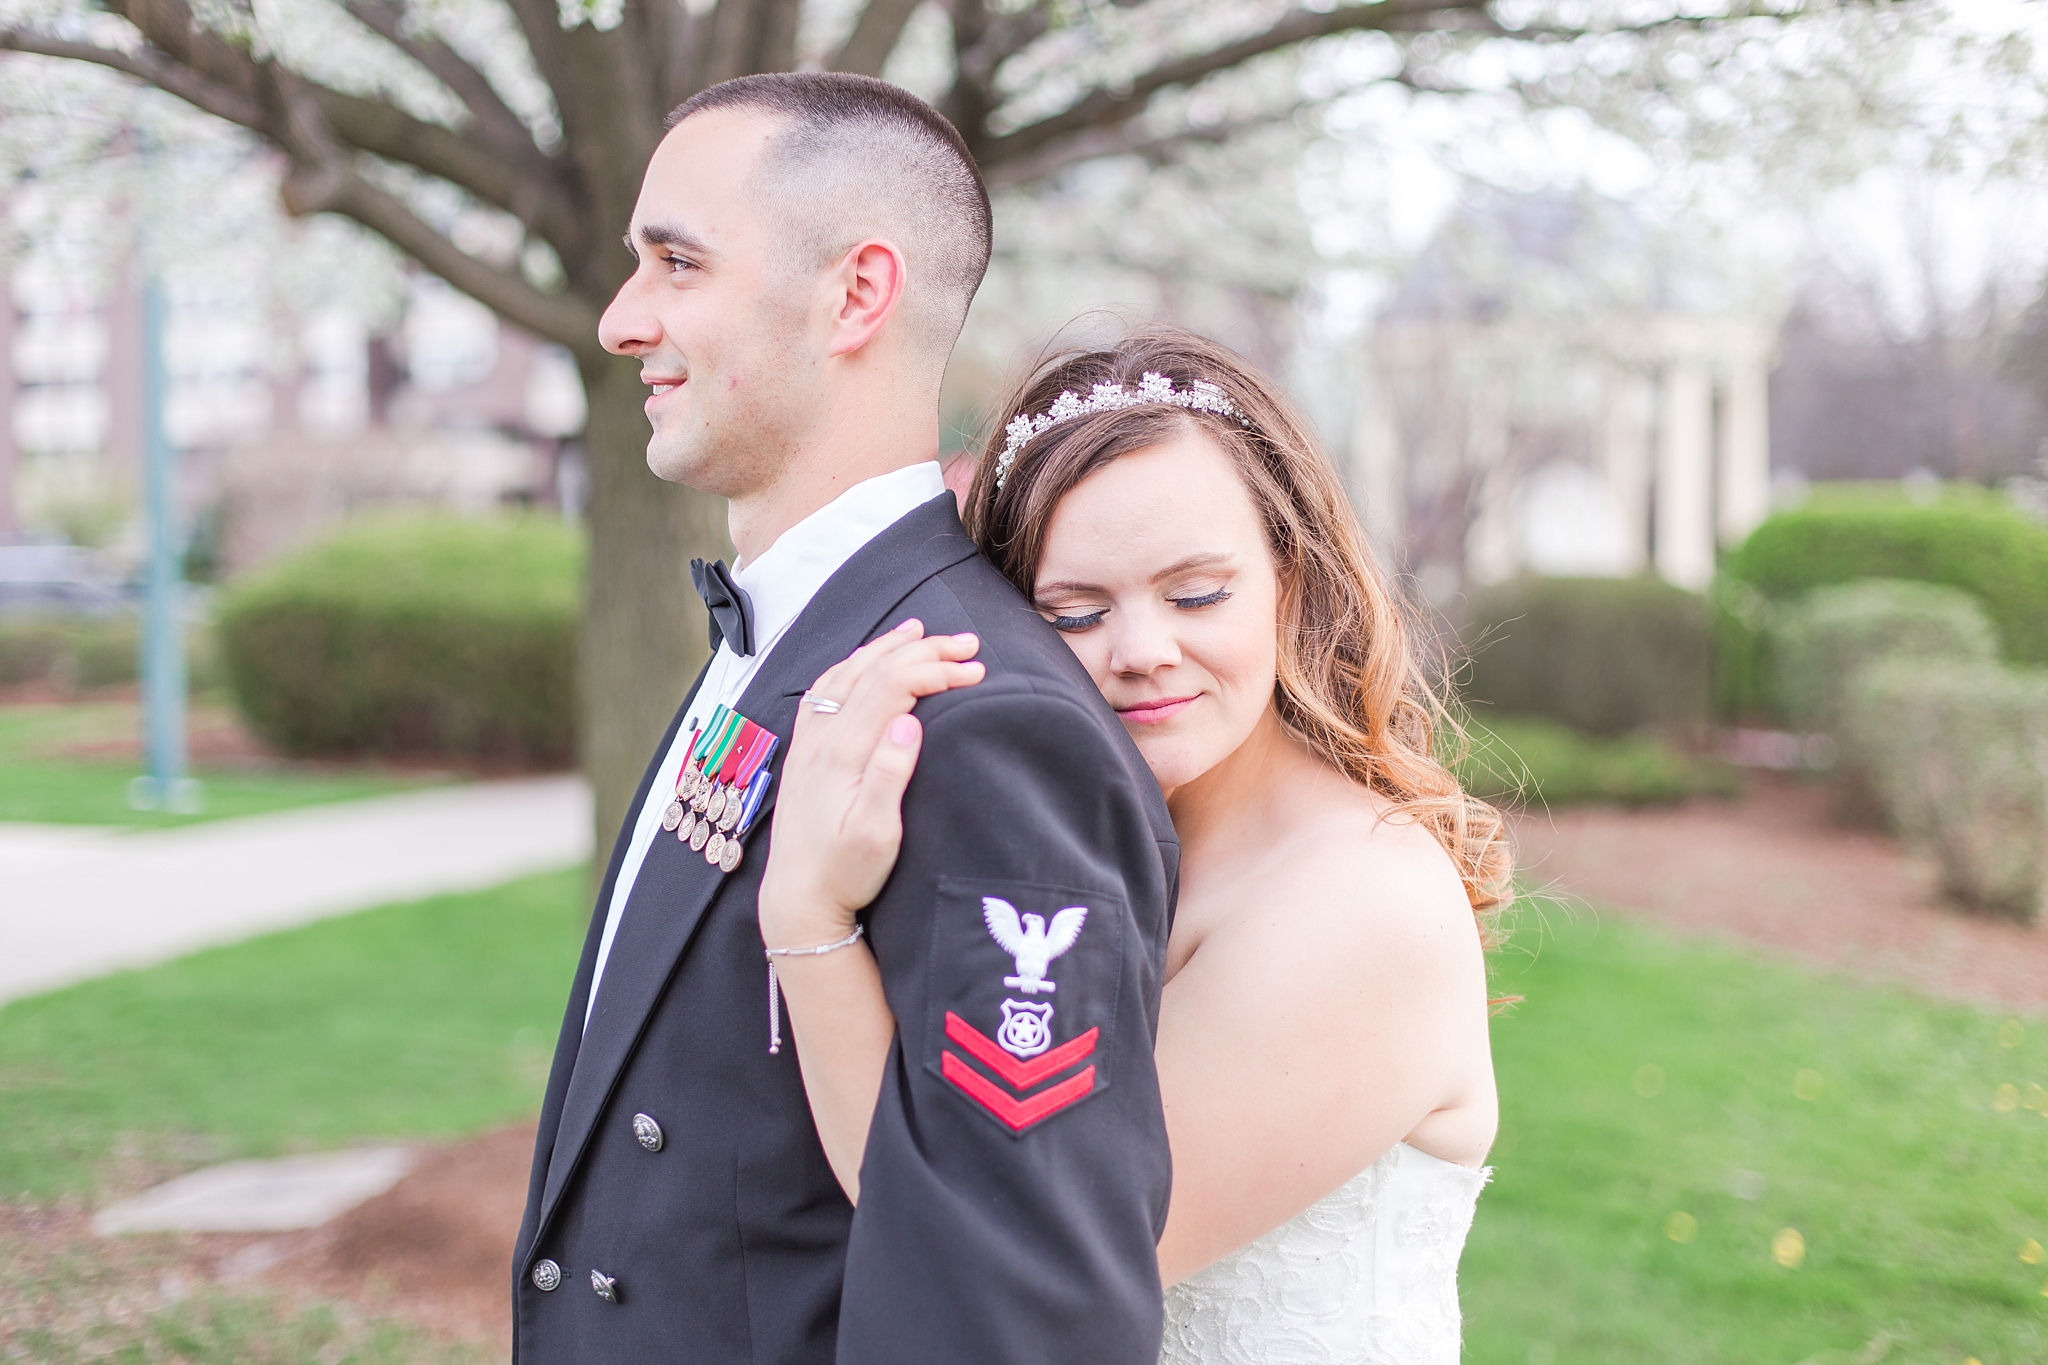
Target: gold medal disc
x,y
730,816
687,827
717,806
673,816
699,835
715,849
730,858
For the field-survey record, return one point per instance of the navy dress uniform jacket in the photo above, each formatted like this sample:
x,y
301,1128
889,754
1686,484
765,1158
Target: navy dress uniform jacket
x,y
1016,1176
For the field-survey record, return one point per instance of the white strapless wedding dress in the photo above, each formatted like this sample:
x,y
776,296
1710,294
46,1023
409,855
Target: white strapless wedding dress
x,y
1365,1276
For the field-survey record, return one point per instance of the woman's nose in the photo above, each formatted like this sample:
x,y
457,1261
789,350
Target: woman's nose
x,y
1141,643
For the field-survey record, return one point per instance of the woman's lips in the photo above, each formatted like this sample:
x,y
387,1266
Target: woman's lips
x,y
1152,712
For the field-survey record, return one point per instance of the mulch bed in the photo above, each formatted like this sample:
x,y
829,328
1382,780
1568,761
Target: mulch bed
x,y
1779,870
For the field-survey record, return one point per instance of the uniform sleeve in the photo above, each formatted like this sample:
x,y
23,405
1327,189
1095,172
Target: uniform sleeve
x,y
1016,1175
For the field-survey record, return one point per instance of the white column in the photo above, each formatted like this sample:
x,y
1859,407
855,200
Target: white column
x,y
10,454
1490,537
1745,454
1378,474
1685,476
1625,462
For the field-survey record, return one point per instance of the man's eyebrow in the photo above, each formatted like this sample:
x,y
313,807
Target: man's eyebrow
x,y
673,237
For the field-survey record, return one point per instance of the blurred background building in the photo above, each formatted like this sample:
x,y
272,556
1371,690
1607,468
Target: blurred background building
x,y
287,422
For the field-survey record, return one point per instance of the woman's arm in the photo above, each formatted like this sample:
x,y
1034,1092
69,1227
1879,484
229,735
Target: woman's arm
x,y
837,828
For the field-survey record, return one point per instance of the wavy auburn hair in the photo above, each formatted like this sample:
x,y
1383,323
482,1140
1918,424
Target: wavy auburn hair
x,y
1351,683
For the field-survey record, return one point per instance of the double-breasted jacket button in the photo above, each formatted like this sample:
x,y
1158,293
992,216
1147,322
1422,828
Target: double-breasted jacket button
x,y
647,1132
607,1286
546,1275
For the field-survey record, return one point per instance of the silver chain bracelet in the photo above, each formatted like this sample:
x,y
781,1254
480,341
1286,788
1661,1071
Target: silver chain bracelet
x,y
774,987
821,949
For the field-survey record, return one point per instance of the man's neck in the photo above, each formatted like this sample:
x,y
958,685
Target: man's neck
x,y
825,464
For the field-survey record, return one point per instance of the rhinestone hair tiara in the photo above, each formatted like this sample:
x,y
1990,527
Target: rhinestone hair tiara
x,y
1152,389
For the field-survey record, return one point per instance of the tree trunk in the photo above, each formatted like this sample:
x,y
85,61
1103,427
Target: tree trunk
x,y
643,636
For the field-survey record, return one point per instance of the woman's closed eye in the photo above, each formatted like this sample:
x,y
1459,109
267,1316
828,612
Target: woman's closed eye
x,y
1083,622
1207,599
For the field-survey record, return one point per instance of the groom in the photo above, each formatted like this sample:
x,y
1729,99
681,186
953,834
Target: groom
x,y
807,246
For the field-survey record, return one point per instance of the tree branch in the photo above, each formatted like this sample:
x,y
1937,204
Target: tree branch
x,y
199,67
1127,139
1111,106
875,34
329,188
233,105
531,191
448,66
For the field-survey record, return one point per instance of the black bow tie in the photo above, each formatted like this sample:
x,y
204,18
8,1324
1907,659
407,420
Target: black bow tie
x,y
732,614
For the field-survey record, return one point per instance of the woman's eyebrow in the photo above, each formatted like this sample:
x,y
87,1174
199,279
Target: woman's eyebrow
x,y
1209,559
1212,559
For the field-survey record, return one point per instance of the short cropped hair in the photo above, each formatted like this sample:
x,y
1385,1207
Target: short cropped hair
x,y
862,157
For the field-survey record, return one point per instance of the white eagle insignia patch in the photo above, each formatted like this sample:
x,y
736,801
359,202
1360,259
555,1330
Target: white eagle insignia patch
x,y
1027,939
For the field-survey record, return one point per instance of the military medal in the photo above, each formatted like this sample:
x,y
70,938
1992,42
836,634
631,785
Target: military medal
x,y
730,852
673,816
723,782
736,778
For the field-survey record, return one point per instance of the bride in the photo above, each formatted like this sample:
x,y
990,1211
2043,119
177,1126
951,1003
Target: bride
x,y
1322,1042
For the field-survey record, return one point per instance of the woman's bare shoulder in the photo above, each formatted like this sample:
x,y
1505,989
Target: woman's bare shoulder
x,y
1356,862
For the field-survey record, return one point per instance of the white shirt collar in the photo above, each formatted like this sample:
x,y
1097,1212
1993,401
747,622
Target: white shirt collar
x,y
782,579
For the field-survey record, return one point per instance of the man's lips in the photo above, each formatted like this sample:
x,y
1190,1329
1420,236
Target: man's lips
x,y
1152,712
662,389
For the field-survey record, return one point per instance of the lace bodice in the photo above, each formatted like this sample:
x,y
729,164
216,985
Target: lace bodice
x,y
1368,1275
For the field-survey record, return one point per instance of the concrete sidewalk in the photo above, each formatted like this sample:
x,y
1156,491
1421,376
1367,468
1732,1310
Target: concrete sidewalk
x,y
78,903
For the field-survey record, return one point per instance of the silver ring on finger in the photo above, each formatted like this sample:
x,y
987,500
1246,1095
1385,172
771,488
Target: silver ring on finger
x,y
823,706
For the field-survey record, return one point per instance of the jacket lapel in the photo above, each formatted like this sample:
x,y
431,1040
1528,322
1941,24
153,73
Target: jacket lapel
x,y
672,894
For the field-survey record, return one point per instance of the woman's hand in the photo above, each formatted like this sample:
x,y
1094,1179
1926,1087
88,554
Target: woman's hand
x,y
838,826
838,821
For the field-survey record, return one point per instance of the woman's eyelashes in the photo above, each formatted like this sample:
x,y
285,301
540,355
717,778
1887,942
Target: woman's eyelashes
x,y
1077,621
1073,623
1207,599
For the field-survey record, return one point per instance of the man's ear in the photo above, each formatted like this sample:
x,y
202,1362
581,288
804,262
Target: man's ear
x,y
867,286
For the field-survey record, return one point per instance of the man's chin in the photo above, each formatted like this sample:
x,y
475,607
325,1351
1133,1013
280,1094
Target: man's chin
x,y
674,461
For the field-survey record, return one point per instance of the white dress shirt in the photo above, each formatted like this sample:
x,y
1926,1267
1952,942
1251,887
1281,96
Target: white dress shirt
x,y
780,582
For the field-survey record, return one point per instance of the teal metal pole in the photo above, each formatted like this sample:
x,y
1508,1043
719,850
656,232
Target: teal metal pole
x,y
163,635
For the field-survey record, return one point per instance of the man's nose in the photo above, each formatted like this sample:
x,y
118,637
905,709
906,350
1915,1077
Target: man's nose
x,y
628,326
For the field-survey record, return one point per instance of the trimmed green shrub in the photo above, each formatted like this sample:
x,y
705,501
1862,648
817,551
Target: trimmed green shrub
x,y
1968,539
1741,669
1820,642
81,653
1535,762
415,634
1602,655
30,650
1959,751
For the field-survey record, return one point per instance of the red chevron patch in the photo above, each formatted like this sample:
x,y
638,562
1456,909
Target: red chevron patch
x,y
1017,1114
1020,1075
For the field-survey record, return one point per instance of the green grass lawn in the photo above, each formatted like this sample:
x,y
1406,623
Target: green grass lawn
x,y
1643,1078
38,781
1670,1108
432,1019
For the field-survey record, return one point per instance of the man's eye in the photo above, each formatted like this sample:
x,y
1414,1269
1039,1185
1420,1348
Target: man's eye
x,y
1071,623
1207,599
